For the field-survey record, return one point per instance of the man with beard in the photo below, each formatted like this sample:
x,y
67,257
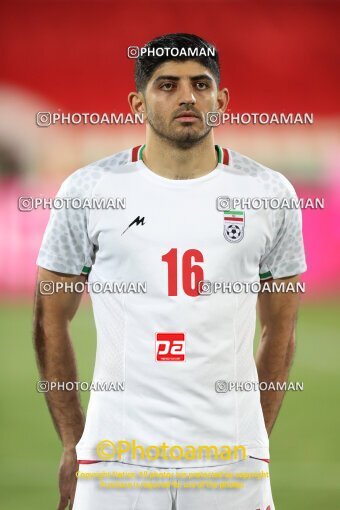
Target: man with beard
x,y
177,346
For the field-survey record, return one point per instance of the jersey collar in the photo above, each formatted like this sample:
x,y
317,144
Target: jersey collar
x,y
222,154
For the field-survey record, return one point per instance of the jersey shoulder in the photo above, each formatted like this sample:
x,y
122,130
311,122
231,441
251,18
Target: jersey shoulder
x,y
272,181
82,181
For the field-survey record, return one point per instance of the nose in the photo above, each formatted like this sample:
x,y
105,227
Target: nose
x,y
186,94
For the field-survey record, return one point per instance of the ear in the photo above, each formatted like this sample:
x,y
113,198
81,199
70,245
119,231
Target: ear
x,y
222,100
137,104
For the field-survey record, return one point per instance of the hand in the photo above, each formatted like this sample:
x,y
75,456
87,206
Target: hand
x,y
67,478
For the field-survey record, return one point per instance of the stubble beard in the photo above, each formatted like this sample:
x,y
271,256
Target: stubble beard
x,y
184,140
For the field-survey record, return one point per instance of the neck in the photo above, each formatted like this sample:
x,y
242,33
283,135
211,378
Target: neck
x,y
176,163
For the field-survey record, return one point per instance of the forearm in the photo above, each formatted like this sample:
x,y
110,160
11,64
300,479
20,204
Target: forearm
x,y
273,359
56,363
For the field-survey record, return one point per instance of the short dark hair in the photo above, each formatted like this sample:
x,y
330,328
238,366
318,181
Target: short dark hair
x,y
146,63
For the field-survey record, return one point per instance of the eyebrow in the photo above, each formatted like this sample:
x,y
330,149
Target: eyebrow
x,y
176,78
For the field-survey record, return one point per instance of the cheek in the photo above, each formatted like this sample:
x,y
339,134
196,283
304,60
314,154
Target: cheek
x,y
160,109
209,99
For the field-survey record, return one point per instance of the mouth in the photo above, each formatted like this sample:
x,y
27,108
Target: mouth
x,y
187,117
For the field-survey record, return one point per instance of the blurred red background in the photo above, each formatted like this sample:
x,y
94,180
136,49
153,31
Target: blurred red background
x,y
72,56
274,55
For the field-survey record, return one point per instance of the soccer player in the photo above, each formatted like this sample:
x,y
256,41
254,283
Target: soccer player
x,y
177,346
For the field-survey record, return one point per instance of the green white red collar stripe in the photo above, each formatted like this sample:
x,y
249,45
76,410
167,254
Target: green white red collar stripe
x,y
137,153
237,216
222,154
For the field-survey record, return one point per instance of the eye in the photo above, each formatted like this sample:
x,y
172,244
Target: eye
x,y
167,86
201,85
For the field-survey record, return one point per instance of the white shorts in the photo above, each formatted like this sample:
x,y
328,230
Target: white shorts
x,y
99,491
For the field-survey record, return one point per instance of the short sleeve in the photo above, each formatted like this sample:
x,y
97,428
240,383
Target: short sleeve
x,y
285,254
66,247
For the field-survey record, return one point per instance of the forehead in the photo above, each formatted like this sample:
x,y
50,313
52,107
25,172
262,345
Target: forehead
x,y
182,70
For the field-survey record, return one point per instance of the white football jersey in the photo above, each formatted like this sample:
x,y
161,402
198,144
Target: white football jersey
x,y
171,343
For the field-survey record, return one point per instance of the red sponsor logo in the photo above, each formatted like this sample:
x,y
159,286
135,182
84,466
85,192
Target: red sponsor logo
x,y
170,347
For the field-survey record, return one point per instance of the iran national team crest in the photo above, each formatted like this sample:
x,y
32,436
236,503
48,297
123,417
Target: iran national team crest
x,y
233,228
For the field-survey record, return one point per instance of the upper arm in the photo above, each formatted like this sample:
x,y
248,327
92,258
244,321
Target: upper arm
x,y
66,247
66,253
57,296
282,261
277,310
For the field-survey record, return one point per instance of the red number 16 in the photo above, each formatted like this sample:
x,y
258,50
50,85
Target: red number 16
x,y
190,285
